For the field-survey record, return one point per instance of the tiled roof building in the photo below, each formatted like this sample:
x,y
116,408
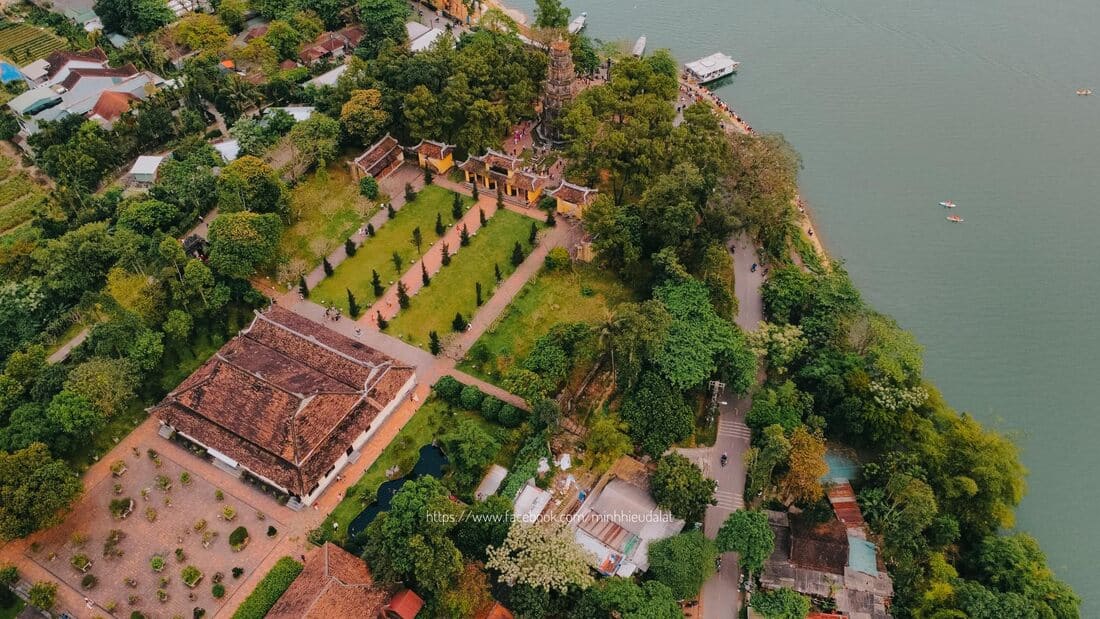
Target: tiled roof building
x,y
572,199
334,583
287,400
495,170
378,160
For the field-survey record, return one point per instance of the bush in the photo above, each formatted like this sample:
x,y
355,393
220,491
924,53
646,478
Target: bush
x,y
8,574
557,258
472,398
510,416
272,531
218,591
448,389
238,538
267,592
368,188
490,408
89,582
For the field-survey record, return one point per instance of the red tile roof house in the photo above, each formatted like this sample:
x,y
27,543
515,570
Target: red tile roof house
x,y
337,584
331,44
287,401
385,156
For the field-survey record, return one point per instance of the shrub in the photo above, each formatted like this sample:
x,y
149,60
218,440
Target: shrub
x,y
472,398
272,531
237,572
368,188
449,389
267,592
80,562
120,508
510,416
557,258
218,591
157,563
229,513
89,582
238,539
8,574
43,595
490,408
185,478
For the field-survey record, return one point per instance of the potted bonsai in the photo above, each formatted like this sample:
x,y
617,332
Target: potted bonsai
x,y
228,513
238,539
208,538
118,468
121,508
164,482
157,563
191,576
81,562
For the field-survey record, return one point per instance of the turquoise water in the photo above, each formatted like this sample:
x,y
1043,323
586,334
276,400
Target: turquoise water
x,y
896,106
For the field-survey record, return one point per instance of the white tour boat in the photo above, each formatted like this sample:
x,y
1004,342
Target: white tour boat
x,y
713,67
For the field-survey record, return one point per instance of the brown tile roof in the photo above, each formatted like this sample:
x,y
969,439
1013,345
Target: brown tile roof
x,y
333,584
574,194
326,43
528,181
353,34
288,64
255,32
112,104
404,605
433,150
59,59
75,75
822,547
497,159
377,157
285,398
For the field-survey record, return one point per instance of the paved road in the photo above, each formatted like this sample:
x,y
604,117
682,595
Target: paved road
x,y
721,595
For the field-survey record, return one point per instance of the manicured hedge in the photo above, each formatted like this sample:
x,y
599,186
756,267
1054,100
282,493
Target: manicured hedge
x,y
267,592
471,398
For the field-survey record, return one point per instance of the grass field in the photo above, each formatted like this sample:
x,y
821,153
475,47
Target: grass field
x,y
23,44
452,288
375,254
584,293
20,196
327,209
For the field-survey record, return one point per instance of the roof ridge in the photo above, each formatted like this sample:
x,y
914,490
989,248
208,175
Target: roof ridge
x,y
313,339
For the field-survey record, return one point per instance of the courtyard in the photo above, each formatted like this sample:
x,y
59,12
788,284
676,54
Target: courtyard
x,y
155,536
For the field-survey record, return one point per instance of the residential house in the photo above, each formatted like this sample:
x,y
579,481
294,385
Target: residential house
x,y
331,45
404,605
328,78
495,169
572,200
144,171
78,83
385,156
830,560
336,583
287,401
228,149
619,519
496,611
438,155
422,37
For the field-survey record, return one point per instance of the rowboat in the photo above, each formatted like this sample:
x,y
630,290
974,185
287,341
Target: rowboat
x,y
947,204
955,219
1083,92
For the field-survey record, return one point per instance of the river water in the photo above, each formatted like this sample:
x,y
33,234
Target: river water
x,y
895,106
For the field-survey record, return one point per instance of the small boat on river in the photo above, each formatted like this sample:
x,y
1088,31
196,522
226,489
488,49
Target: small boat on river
x,y
639,47
577,24
1083,92
947,204
955,219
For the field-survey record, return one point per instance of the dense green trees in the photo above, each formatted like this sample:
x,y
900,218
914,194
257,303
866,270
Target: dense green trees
x,y
410,541
781,603
249,184
680,487
35,490
682,563
241,243
541,556
747,533
470,449
623,597
384,21
131,17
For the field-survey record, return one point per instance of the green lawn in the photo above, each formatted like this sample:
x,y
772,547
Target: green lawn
x,y
327,209
452,289
435,417
375,254
584,293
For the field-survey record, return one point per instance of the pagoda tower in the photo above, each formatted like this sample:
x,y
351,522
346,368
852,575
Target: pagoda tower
x,y
560,86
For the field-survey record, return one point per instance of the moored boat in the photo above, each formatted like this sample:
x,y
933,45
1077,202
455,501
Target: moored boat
x,y
947,204
577,24
639,47
1083,92
710,68
955,219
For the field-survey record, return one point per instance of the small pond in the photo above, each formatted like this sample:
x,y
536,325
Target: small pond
x,y
430,462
